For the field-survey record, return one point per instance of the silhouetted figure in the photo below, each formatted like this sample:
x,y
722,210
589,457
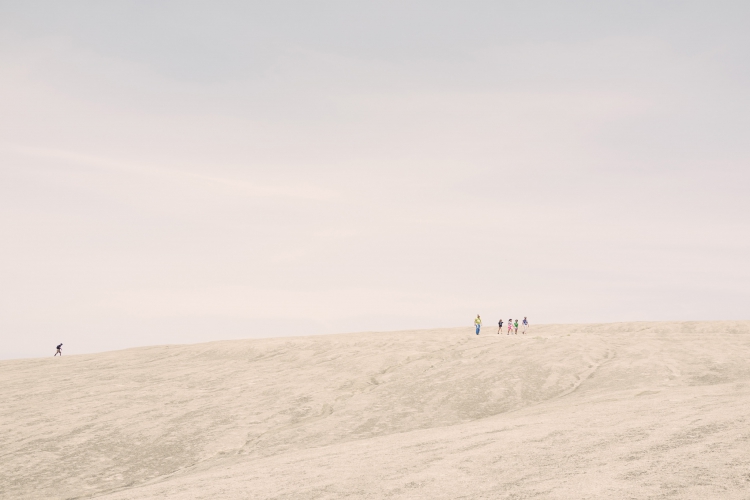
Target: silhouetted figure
x,y
59,350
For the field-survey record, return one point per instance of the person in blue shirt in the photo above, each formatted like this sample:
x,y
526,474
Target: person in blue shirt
x,y
59,350
525,325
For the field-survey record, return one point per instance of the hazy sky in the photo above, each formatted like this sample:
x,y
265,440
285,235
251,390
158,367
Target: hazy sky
x,y
190,171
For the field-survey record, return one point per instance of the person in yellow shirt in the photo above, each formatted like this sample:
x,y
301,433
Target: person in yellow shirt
x,y
478,323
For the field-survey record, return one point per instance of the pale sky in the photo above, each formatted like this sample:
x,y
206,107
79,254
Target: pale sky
x,y
185,171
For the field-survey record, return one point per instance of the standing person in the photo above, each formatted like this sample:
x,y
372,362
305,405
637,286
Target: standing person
x,y
478,323
59,350
499,326
515,326
510,325
525,325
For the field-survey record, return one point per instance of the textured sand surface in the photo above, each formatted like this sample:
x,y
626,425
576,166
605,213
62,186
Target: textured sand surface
x,y
629,410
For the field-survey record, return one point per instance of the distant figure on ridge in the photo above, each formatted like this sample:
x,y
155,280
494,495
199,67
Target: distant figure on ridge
x,y
525,325
499,326
515,326
59,350
478,323
510,325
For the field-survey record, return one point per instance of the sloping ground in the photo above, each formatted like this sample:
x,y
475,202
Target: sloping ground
x,y
632,410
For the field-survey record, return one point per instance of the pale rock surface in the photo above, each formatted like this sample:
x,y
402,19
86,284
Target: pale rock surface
x,y
628,410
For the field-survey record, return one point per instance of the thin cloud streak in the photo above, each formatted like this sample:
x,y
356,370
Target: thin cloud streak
x,y
308,193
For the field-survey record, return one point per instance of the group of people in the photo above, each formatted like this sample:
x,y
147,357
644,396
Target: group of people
x,y
512,325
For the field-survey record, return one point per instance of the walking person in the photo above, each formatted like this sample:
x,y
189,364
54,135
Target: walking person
x,y
59,350
499,326
510,325
515,326
478,323
525,325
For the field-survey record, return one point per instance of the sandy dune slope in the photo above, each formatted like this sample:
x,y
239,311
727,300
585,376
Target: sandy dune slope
x,y
629,410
